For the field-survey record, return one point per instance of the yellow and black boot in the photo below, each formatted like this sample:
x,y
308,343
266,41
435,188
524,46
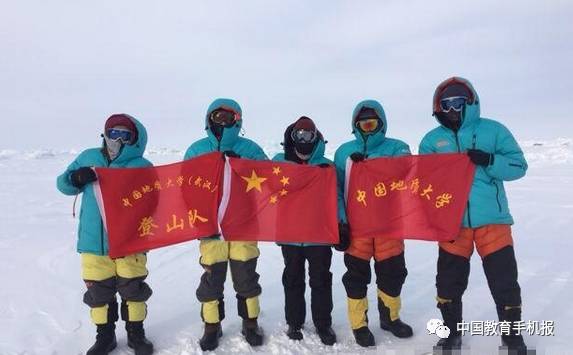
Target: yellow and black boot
x,y
105,338
513,342
357,315
452,315
248,309
389,308
212,313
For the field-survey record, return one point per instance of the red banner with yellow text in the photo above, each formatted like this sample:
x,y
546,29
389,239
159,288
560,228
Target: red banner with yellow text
x,y
411,197
282,202
147,208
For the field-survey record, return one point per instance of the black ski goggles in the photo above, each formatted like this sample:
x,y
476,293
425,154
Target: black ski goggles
x,y
224,117
303,136
455,103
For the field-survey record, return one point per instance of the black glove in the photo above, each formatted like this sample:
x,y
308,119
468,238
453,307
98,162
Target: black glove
x,y
479,157
344,237
357,157
231,154
82,176
324,165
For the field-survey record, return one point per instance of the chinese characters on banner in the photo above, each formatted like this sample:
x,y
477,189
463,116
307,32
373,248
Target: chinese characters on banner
x,y
281,202
409,197
147,208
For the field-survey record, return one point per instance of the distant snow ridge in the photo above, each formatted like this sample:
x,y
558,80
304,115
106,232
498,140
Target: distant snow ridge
x,y
557,151
554,152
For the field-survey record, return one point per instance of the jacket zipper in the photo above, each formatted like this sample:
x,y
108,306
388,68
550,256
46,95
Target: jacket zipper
x,y
496,194
101,224
459,151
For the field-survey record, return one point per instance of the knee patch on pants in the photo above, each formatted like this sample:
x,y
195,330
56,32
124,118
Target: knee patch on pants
x,y
245,278
391,274
133,311
248,308
357,312
100,293
135,289
213,311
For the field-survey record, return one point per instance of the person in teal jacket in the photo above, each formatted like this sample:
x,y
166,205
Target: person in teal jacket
x,y
124,141
369,127
304,144
487,220
223,123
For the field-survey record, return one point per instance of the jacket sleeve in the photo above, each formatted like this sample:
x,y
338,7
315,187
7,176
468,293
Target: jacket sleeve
x,y
63,181
340,164
509,162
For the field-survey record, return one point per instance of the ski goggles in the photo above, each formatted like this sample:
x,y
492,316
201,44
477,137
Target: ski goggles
x,y
224,117
368,125
303,136
455,103
118,133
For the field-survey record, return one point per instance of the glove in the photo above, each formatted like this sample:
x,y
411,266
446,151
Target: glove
x,y
343,236
324,165
82,176
231,154
357,157
479,157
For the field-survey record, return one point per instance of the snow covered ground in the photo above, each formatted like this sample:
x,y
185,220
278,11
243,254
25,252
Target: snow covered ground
x,y
41,309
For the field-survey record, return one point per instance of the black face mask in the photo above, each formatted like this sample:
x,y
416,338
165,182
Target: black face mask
x,y
451,119
304,148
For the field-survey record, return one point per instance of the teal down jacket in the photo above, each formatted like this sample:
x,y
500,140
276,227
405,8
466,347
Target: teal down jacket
x,y
372,146
92,237
487,202
230,139
316,158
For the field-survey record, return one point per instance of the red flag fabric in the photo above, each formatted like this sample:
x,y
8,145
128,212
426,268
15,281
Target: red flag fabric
x,y
147,208
410,197
281,202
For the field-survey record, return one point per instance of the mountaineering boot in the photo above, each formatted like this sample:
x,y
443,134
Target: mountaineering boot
x,y
326,335
396,326
294,333
452,315
363,337
211,335
136,338
514,341
105,340
252,332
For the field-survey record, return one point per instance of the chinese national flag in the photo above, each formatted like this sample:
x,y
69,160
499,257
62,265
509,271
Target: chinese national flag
x,y
410,197
281,202
147,208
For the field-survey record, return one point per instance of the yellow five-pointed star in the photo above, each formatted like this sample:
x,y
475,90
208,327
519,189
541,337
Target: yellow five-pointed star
x,y
274,199
276,170
285,181
283,192
253,182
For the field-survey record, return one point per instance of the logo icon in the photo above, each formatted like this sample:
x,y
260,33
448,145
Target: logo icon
x,y
436,326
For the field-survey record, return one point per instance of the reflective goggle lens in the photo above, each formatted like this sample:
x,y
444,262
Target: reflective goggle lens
x,y
123,134
303,136
369,125
456,103
223,117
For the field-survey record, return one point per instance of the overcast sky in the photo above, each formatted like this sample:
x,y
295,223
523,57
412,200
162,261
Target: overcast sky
x,y
65,66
